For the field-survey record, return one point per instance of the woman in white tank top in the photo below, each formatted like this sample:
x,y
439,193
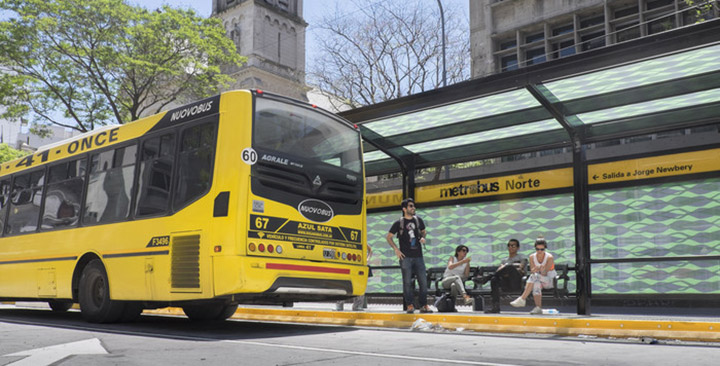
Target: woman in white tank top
x,y
542,273
457,271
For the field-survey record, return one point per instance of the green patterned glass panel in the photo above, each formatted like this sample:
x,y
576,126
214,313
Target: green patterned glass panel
x,y
375,155
500,133
452,113
676,277
654,106
671,67
484,227
664,220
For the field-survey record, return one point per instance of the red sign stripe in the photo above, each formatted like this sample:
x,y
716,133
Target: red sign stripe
x,y
295,267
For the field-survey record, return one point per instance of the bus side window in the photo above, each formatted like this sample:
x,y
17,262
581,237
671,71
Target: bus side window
x,y
63,194
4,200
110,185
155,175
195,164
25,200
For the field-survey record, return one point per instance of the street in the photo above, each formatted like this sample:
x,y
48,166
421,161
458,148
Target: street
x,y
40,337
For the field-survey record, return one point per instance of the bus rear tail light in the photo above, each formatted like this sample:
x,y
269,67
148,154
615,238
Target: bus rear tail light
x,y
261,247
251,246
279,249
271,248
217,248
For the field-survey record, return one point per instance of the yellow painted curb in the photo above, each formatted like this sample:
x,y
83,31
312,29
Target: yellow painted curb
x,y
660,329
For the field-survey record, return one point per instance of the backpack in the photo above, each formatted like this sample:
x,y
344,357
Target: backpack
x,y
445,304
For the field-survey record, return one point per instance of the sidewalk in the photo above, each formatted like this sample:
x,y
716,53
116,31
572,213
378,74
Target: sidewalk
x,y
702,329
685,328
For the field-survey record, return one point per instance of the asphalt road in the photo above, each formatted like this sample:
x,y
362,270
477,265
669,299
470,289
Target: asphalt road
x,y
39,337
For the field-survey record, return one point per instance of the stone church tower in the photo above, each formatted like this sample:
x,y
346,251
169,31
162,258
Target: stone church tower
x,y
271,34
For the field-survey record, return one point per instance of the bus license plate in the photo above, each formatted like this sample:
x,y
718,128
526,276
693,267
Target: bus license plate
x,y
328,253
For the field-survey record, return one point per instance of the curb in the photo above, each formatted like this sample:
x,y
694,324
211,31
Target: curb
x,y
587,326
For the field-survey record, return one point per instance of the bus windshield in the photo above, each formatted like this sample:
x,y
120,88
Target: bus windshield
x,y
303,133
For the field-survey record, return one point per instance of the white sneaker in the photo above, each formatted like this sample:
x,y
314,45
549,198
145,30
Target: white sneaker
x,y
518,303
536,310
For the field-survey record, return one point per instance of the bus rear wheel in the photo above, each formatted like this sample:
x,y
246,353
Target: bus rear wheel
x,y
94,295
60,306
209,311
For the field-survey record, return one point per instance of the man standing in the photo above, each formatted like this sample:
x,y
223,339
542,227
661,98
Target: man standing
x,y
508,276
410,230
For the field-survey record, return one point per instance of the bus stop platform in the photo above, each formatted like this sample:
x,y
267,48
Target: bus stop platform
x,y
698,328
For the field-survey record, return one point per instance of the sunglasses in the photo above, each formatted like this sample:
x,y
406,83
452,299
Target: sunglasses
x,y
540,249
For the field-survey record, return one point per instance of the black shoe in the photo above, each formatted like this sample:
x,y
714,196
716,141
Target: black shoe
x,y
485,279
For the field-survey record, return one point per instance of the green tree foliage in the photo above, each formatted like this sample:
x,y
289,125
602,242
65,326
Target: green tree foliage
x,y
83,64
7,153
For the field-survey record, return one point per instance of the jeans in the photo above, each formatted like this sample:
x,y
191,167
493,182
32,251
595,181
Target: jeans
x,y
410,266
506,279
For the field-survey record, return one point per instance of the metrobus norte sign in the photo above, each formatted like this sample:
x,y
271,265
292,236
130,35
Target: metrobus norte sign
x,y
655,167
617,171
520,183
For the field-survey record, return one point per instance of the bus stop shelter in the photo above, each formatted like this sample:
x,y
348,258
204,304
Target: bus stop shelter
x,y
663,82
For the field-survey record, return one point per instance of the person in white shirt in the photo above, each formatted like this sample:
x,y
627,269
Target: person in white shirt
x,y
542,272
457,271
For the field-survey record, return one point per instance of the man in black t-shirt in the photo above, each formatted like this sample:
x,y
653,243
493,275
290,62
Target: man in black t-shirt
x,y
410,230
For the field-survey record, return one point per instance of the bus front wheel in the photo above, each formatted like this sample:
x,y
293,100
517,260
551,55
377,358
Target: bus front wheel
x,y
209,311
94,295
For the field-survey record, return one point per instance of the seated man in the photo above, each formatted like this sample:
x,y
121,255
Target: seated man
x,y
508,276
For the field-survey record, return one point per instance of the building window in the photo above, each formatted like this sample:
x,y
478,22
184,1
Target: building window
x,y
508,44
508,63
658,4
626,12
535,56
592,40
563,49
661,25
565,29
626,32
563,46
535,37
591,21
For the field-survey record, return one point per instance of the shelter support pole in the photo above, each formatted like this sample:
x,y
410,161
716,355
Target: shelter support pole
x,y
409,177
576,131
582,228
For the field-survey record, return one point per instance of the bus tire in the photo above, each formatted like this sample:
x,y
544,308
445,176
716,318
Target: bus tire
x,y
94,295
59,306
209,311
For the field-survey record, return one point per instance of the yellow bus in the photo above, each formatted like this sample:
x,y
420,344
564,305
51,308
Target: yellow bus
x,y
246,197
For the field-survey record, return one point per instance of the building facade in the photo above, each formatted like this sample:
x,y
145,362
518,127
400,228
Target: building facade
x,y
510,34
271,34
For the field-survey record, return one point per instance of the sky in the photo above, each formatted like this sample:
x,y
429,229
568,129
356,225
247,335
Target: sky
x,y
313,10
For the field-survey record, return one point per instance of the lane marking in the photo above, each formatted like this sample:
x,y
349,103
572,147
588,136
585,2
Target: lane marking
x,y
48,355
357,353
